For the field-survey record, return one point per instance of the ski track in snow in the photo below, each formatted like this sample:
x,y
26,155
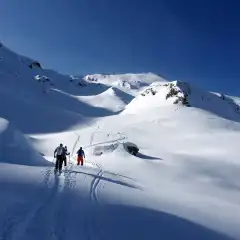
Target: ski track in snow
x,y
95,183
16,222
41,210
94,186
60,211
69,178
49,217
90,219
23,226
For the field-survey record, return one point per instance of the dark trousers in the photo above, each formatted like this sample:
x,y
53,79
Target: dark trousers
x,y
59,162
65,160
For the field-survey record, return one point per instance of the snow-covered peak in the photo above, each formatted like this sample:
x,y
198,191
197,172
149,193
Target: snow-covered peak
x,y
180,93
128,81
158,95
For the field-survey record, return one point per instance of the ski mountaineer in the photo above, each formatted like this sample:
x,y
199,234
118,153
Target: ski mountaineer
x,y
58,154
81,155
65,154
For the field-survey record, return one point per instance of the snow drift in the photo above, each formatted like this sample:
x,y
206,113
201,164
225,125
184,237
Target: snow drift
x,y
16,149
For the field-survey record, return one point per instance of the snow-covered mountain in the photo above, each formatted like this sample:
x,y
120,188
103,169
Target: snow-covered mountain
x,y
182,184
158,95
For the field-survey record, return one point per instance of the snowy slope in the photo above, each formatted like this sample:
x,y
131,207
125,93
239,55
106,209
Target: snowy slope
x,y
172,182
183,183
74,94
15,147
112,99
159,95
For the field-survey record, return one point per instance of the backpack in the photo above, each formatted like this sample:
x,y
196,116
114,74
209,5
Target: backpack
x,y
59,150
65,152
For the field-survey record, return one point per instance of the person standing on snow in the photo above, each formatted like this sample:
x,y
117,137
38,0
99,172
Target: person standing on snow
x,y
65,153
81,155
58,154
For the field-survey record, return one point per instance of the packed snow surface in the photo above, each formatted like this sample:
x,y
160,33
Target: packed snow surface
x,y
182,184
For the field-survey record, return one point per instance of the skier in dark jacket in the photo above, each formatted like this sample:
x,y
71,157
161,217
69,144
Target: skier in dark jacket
x,y
65,154
58,154
81,155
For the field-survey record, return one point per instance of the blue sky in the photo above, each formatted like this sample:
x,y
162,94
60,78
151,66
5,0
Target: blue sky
x,y
190,40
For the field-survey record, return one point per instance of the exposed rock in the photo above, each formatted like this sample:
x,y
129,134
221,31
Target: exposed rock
x,y
179,90
131,148
35,64
222,96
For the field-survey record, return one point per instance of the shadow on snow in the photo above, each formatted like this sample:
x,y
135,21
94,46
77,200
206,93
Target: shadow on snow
x,y
74,212
119,182
147,157
129,222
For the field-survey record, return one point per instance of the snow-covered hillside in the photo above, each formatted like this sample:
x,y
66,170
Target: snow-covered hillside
x,y
158,95
182,184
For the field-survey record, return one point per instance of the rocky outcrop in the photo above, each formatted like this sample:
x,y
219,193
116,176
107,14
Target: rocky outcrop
x,y
35,65
178,90
131,148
